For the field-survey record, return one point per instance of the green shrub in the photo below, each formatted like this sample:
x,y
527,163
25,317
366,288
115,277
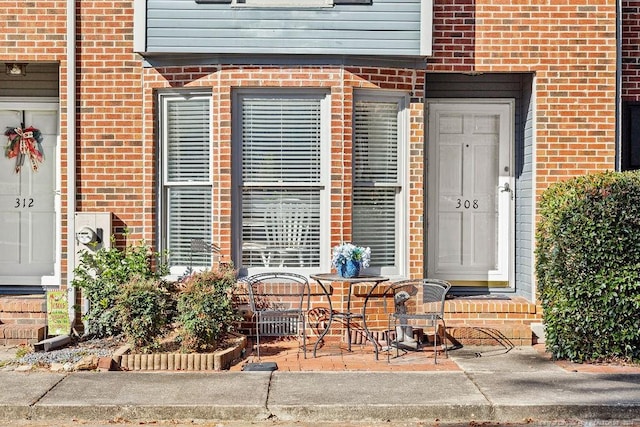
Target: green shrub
x,y
143,308
205,309
588,266
101,275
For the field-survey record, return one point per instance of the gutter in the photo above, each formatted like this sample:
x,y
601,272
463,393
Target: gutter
x,y
618,111
71,153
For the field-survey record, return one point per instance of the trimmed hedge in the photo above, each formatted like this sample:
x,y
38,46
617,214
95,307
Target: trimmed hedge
x,y
205,309
588,266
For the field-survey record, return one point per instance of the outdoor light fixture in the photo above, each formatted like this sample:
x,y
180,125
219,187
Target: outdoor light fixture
x,y
16,69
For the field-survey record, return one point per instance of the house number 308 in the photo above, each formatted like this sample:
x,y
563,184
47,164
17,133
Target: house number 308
x,y
23,203
467,204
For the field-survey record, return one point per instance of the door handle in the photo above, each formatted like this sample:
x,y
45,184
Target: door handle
x,y
506,188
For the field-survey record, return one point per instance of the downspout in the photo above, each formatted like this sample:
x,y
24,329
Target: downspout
x,y
618,112
71,154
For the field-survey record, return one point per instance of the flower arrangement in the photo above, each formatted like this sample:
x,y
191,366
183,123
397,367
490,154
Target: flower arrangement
x,y
349,252
24,143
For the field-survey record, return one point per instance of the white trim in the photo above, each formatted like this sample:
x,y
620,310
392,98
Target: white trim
x,y
426,27
43,104
324,96
139,26
163,184
402,200
506,252
534,187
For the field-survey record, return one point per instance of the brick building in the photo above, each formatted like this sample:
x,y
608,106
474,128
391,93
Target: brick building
x,y
423,129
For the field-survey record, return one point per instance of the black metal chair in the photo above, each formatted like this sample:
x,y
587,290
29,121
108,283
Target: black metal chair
x,y
277,301
417,304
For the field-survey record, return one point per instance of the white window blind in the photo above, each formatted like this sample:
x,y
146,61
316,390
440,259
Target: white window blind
x,y
376,179
186,140
281,171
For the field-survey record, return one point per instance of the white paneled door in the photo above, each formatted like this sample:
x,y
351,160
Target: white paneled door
x,y
470,189
27,199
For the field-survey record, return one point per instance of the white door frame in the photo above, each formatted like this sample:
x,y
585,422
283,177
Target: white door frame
x,y
46,104
504,273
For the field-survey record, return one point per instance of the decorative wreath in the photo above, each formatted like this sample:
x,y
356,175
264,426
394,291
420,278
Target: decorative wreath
x,y
24,143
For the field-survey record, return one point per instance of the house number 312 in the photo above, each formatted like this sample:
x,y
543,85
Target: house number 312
x,y
23,203
467,204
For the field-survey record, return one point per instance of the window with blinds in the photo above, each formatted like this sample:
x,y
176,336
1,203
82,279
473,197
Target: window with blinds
x,y
186,178
280,180
376,180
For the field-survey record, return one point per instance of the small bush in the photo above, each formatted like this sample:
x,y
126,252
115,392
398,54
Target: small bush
x,y
143,308
205,309
101,274
588,266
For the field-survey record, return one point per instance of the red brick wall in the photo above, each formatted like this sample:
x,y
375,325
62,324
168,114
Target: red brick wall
x,y
111,161
341,83
631,50
570,46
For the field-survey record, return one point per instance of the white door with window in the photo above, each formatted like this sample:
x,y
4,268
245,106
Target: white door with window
x,y
28,199
471,191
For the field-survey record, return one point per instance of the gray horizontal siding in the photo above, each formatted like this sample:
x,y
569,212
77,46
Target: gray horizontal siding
x,y
386,27
41,81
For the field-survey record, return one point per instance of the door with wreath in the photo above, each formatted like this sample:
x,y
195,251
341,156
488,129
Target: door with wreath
x,y
29,188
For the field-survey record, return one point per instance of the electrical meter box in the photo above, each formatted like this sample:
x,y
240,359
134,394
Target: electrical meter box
x,y
93,232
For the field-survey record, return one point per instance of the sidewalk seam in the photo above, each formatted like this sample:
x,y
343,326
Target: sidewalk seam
x,y
492,408
34,403
270,415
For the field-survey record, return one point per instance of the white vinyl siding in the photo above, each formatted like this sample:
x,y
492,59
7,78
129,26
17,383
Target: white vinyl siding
x,y
281,190
186,178
377,180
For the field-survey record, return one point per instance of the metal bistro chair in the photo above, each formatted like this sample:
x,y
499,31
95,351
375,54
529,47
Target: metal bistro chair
x,y
416,303
277,301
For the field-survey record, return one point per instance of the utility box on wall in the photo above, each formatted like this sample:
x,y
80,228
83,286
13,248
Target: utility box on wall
x,y
93,232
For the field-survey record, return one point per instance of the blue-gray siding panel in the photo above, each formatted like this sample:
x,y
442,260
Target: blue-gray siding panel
x,y
524,207
387,27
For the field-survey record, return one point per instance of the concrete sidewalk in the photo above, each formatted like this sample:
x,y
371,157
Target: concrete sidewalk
x,y
519,385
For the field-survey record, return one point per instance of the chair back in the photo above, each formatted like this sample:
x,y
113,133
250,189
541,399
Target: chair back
x,y
287,225
416,296
277,300
200,246
434,293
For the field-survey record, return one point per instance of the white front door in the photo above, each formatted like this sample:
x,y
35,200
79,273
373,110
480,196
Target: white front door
x,y
28,199
470,189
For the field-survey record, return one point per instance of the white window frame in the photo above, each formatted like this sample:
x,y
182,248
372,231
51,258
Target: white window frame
x,y
324,184
399,270
165,184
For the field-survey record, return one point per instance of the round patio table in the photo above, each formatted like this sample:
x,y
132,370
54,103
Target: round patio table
x,y
324,280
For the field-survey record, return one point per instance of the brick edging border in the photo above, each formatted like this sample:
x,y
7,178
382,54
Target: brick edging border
x,y
216,361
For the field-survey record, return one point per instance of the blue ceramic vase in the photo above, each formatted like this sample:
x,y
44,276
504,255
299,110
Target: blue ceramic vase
x,y
349,269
